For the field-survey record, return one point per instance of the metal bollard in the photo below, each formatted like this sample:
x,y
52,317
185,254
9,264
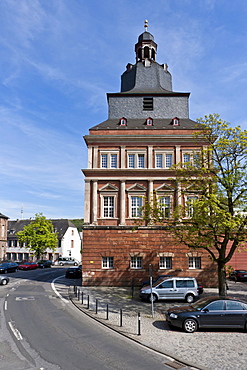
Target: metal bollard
x,y
139,323
107,312
96,306
78,295
88,302
121,318
75,290
81,297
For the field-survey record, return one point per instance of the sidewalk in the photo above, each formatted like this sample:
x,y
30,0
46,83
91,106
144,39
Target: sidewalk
x,y
204,349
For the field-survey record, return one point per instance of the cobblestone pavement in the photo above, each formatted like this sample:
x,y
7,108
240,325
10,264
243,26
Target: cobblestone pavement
x,y
204,349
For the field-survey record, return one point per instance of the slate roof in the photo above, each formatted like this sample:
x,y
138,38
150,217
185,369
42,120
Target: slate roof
x,y
60,226
3,216
137,124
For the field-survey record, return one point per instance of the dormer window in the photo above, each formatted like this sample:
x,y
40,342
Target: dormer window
x,y
149,121
175,121
123,121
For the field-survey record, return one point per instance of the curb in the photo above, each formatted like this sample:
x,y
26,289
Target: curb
x,y
179,360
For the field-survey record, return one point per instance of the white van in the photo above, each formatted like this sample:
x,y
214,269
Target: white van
x,y
184,288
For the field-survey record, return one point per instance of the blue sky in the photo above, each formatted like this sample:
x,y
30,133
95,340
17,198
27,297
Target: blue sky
x,y
58,60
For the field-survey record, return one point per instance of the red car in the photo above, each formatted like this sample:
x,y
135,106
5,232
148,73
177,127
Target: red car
x,y
28,266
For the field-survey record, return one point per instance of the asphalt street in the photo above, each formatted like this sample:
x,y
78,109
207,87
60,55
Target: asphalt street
x,y
39,330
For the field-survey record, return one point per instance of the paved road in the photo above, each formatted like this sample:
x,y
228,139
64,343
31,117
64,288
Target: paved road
x,y
41,331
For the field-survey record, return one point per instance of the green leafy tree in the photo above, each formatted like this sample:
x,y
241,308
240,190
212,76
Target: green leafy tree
x,y
215,220
39,235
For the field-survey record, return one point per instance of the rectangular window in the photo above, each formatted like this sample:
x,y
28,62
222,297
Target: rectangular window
x,y
136,262
148,104
113,160
107,262
136,160
108,207
104,160
186,159
159,163
165,262
190,205
165,206
194,262
168,160
131,161
72,243
141,160
136,204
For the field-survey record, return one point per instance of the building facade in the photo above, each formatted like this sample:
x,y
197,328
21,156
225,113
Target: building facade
x,y
130,158
69,241
3,236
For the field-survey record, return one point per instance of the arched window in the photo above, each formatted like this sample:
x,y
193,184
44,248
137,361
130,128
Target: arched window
x,y
146,52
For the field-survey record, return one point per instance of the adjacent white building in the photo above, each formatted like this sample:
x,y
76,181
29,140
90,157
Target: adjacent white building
x,y
69,241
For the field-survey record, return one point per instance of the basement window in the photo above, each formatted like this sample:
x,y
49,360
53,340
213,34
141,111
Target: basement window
x,y
148,104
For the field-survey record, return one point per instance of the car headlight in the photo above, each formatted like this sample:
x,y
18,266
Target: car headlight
x,y
173,316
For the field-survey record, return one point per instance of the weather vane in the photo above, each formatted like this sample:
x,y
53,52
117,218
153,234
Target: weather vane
x,y
146,25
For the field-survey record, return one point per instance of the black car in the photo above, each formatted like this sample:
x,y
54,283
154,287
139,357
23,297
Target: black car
x,y
74,272
210,312
238,275
8,267
44,263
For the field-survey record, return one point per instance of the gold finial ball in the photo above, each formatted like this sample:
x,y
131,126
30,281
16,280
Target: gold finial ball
x,y
146,24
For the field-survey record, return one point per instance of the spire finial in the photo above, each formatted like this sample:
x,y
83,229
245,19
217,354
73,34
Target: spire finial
x,y
146,25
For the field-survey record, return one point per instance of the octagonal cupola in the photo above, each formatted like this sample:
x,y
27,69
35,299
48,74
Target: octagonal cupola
x,y
145,48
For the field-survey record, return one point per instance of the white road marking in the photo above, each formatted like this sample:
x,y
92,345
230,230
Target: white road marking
x,y
5,305
24,298
15,331
55,290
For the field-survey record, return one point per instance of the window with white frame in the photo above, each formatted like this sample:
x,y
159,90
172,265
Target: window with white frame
x,y
136,262
165,206
191,159
136,160
108,206
107,262
109,160
194,262
163,160
165,262
136,204
190,203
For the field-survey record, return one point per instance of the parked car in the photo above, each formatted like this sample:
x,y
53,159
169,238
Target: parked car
x,y
185,288
8,267
44,263
28,266
238,275
4,280
66,261
210,312
161,277
74,272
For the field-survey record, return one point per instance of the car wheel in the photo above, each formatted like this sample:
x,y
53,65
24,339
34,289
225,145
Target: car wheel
x,y
5,271
75,264
189,298
4,282
154,298
190,325
61,263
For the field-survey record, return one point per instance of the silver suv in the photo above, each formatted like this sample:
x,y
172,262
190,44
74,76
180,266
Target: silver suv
x,y
184,288
66,261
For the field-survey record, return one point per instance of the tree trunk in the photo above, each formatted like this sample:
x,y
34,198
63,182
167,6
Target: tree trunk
x,y
222,279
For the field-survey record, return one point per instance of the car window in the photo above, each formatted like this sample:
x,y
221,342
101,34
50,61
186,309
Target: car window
x,y
215,306
234,306
166,284
185,283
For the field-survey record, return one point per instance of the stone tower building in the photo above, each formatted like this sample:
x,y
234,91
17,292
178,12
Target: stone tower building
x,y
130,155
